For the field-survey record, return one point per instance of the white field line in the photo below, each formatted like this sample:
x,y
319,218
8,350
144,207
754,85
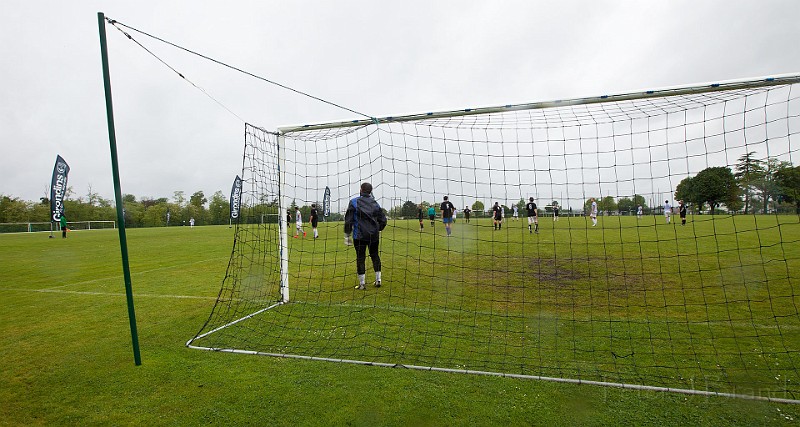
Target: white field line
x,y
134,273
112,294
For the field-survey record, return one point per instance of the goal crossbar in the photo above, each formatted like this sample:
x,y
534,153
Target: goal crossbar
x,y
778,80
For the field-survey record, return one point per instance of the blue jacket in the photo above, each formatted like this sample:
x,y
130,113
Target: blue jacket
x,y
364,218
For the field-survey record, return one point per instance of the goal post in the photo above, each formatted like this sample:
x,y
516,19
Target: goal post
x,y
709,305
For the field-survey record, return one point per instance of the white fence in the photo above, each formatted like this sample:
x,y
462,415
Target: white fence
x,y
33,227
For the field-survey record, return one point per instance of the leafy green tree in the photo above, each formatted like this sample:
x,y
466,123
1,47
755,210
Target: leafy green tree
x,y
198,200
155,216
607,204
39,212
788,180
685,191
715,186
478,206
626,205
749,172
767,185
13,209
219,208
409,209
179,198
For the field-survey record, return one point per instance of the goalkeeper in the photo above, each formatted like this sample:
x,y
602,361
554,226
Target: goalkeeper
x,y
363,221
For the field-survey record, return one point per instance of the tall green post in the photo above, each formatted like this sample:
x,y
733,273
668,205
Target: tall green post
x,y
112,140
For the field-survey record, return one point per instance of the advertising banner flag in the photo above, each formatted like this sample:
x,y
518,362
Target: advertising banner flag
x,y
326,202
236,197
58,189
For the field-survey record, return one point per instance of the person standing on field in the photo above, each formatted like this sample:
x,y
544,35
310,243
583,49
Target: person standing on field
x,y
313,219
533,216
497,216
667,210
447,215
63,226
298,223
421,216
466,214
432,215
593,212
364,221
682,211
555,212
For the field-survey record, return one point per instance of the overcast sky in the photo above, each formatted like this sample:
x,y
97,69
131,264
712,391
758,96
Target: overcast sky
x,y
379,58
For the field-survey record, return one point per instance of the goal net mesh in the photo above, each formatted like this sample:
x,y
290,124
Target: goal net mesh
x,y
711,305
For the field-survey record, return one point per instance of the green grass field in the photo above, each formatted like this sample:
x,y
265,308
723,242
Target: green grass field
x,y
66,356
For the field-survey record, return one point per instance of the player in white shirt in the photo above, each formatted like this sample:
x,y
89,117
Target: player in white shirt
x,y
667,210
298,222
639,212
515,214
593,212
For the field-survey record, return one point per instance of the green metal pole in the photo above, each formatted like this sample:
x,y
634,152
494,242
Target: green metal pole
x,y
112,140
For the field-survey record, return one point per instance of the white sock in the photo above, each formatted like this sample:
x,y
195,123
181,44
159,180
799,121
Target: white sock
x,y
315,233
377,276
361,279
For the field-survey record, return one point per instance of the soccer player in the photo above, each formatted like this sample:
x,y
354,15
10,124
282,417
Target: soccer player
x,y
313,219
466,214
364,220
432,215
447,215
593,212
515,214
298,223
533,216
63,222
639,212
667,210
421,217
497,216
555,212
682,211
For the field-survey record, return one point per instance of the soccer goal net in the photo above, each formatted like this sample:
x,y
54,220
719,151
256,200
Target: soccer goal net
x,y
626,286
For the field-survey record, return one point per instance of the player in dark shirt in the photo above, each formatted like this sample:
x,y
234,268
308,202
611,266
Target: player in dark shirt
x,y
533,216
447,209
556,211
682,211
364,221
421,215
497,216
466,213
314,219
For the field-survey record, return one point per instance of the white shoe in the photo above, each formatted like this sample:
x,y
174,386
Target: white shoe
x,y
361,286
377,283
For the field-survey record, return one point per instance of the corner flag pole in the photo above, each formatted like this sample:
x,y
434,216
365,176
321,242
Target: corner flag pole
x,y
112,140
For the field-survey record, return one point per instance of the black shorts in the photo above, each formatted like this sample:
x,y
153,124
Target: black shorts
x,y
432,217
314,222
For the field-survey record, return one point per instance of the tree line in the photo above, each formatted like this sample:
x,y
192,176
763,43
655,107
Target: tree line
x,y
752,186
143,212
